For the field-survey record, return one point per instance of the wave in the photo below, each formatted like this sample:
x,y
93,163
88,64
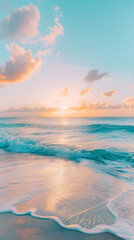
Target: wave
x,y
27,145
17,125
106,128
92,128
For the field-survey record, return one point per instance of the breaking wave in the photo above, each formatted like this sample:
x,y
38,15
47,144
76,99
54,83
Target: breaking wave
x,y
27,145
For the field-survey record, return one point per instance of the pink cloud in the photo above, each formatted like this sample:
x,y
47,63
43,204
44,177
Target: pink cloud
x,y
65,92
21,24
84,92
20,65
45,53
109,93
84,105
129,102
56,31
31,109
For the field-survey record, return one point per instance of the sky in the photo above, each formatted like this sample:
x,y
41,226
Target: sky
x,y
67,58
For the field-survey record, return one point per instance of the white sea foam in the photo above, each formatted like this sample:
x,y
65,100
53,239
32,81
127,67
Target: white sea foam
x,y
120,228
122,207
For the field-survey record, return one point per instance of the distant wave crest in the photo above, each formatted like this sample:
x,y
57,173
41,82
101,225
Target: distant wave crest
x,y
92,128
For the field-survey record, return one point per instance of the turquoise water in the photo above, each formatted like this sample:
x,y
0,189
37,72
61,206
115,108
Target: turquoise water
x,y
77,171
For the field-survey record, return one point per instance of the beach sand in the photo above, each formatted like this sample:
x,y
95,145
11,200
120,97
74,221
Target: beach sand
x,y
14,227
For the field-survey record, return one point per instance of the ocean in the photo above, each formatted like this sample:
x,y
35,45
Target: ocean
x,y
77,171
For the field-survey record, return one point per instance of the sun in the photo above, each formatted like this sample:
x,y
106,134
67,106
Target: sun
x,y
64,108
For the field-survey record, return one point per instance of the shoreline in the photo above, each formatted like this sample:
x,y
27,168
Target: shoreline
x,y
25,227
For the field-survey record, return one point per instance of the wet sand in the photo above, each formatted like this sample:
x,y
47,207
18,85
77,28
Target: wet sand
x,y
14,227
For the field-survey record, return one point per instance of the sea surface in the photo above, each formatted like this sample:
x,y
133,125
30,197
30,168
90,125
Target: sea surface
x,y
77,171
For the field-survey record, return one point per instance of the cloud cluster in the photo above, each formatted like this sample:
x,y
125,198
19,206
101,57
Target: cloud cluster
x,y
65,92
31,109
54,32
89,106
94,75
129,102
84,105
84,92
21,24
109,93
19,66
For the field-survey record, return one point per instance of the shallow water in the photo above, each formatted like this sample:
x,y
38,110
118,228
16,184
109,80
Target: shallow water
x,y
77,171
